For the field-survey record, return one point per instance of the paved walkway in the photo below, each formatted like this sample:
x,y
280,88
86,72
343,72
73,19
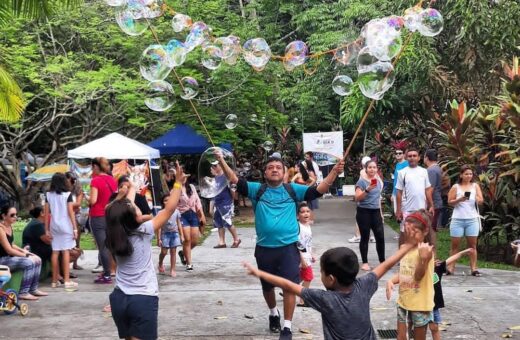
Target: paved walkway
x,y
213,301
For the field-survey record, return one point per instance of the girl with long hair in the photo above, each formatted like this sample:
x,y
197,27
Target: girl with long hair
x,y
192,220
61,227
135,301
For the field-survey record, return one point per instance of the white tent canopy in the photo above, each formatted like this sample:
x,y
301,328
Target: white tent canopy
x,y
114,146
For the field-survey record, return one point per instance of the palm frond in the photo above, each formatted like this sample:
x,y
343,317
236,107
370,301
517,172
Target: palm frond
x,y
33,9
12,102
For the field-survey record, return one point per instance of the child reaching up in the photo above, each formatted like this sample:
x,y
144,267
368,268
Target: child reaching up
x,y
415,302
440,269
305,247
344,306
169,237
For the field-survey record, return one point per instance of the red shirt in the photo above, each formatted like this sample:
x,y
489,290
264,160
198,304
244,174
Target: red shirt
x,y
105,185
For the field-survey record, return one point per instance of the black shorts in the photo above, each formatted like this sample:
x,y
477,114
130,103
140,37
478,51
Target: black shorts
x,y
281,261
135,315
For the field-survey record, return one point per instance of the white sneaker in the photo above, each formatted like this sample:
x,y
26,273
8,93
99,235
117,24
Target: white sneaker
x,y
71,286
372,239
98,269
354,239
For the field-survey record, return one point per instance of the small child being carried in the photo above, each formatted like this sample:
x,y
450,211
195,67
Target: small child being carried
x,y
169,237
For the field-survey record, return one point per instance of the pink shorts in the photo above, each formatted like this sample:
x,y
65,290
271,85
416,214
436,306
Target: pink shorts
x,y
306,274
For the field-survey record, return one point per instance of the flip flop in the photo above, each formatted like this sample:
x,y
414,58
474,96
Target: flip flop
x,y
476,273
218,246
236,244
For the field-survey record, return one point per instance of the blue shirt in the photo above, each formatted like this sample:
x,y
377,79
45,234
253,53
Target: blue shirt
x,y
275,214
398,167
224,198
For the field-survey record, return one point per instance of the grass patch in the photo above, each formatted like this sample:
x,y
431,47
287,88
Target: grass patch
x,y
87,240
444,244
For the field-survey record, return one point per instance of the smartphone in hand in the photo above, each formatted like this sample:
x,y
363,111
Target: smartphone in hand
x,y
373,181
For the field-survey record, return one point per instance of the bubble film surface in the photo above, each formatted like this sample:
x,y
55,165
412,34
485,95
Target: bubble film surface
x,y
257,53
155,63
212,180
190,88
342,85
159,96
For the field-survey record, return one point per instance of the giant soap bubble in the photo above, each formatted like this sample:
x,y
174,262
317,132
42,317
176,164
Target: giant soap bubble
x,y
412,18
211,57
231,121
295,54
159,96
383,39
199,33
212,180
430,22
347,55
342,85
130,23
365,59
155,64
180,22
232,52
376,79
190,88
115,3
257,53
268,145
176,52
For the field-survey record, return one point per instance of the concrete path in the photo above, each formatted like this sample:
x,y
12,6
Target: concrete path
x,y
213,301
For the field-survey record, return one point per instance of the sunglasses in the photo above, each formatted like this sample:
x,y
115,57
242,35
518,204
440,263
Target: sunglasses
x,y
398,153
12,215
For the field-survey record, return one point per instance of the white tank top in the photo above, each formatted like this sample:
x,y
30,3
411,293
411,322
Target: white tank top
x,y
466,209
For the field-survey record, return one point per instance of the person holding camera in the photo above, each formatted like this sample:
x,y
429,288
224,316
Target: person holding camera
x,y
464,197
368,214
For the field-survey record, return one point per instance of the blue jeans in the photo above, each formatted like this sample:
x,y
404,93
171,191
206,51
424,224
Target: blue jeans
x,y
31,271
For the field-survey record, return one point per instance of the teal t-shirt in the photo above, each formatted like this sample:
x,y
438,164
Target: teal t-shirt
x,y
275,214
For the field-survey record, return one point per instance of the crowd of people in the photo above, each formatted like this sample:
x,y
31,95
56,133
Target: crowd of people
x,y
123,227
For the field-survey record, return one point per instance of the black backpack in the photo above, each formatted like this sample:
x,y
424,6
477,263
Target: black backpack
x,y
287,187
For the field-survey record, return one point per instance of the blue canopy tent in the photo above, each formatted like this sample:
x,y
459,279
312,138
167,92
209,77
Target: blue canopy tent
x,y
183,139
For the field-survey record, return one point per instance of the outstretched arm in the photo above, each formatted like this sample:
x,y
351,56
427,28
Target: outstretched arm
x,y
230,174
456,257
329,180
163,215
286,285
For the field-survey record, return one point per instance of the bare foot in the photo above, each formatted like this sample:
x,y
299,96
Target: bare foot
x,y
27,297
173,273
366,267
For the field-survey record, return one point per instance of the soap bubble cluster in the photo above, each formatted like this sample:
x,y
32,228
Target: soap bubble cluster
x,y
371,54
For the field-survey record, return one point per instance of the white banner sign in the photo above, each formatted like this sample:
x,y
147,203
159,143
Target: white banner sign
x,y
328,144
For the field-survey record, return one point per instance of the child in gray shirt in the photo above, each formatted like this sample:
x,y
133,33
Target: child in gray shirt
x,y
344,306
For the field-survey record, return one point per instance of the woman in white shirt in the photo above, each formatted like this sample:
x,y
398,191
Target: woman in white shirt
x,y
465,221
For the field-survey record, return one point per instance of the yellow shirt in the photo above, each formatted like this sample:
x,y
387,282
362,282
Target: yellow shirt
x,y
415,296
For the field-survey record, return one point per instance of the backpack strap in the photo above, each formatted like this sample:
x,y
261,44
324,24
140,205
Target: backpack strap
x,y
287,187
260,192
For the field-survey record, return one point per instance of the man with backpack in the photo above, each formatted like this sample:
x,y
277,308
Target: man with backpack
x,y
275,204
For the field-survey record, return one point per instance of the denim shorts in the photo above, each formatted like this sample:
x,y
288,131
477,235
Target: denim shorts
x,y
460,227
437,316
170,239
190,219
135,315
417,319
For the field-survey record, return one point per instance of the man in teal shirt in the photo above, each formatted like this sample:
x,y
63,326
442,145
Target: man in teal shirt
x,y
277,230
400,165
